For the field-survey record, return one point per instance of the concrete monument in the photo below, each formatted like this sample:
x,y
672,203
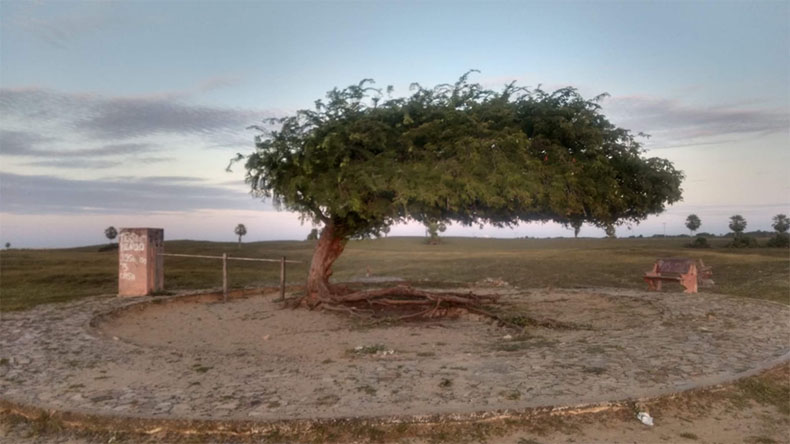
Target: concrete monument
x,y
140,263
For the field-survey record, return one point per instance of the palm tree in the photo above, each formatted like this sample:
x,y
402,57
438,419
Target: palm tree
x,y
111,233
240,231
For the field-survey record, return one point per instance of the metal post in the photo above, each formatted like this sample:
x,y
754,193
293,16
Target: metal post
x,y
225,277
282,278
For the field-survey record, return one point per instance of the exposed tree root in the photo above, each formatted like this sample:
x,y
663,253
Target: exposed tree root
x,y
417,303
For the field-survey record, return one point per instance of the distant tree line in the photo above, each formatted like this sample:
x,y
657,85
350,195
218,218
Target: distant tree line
x,y
741,239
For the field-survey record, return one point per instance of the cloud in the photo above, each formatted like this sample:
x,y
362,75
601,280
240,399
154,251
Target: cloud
x,y
19,143
60,30
671,122
24,194
115,117
76,164
24,144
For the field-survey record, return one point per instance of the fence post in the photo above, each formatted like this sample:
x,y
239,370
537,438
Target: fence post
x,y
282,278
225,277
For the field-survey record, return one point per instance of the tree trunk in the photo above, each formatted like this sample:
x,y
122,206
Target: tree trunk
x,y
239,241
330,245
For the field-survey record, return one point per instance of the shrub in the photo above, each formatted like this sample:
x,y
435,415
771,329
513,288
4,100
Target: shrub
x,y
699,242
779,240
743,241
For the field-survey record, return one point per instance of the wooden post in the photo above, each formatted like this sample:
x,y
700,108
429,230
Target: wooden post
x,y
282,278
225,277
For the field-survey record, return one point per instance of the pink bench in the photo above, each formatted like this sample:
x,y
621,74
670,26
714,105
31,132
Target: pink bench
x,y
683,271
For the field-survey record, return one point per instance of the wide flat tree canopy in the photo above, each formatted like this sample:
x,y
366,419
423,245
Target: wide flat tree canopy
x,y
458,152
361,160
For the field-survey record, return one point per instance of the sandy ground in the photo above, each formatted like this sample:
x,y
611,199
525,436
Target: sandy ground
x,y
252,359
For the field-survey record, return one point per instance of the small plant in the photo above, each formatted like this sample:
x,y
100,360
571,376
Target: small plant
x,y
433,228
699,242
200,368
368,390
689,435
368,350
743,241
445,383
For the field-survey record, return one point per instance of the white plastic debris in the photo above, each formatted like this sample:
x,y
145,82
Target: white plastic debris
x,y
645,418
507,337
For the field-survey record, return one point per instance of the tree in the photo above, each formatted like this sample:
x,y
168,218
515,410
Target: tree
x,y
7,245
240,231
693,223
111,233
359,162
610,232
433,227
781,238
576,224
737,224
313,235
781,223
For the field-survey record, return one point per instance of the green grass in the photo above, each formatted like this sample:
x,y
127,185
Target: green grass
x,y
32,277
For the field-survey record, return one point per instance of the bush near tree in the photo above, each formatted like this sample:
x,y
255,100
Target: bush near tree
x,y
737,225
781,223
361,161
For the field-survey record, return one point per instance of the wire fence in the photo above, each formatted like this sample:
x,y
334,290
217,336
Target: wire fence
x,y
225,258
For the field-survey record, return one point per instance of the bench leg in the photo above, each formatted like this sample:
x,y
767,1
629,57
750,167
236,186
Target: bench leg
x,y
653,284
690,283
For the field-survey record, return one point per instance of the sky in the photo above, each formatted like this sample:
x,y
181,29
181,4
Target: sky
x,y
127,113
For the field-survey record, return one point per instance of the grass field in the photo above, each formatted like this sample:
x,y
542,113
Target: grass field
x,y
31,277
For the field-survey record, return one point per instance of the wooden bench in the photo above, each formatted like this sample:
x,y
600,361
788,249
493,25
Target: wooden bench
x,y
681,270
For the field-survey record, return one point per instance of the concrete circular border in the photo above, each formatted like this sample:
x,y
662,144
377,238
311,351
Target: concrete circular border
x,y
45,344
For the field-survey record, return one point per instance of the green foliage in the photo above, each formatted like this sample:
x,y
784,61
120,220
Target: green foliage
x,y
434,227
240,231
737,224
699,242
743,241
576,224
456,152
781,223
111,233
779,240
693,223
313,234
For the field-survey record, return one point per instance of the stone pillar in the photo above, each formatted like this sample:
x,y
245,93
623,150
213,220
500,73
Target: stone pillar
x,y
141,268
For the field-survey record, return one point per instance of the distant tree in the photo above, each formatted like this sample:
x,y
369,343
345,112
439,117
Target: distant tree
x,y
610,231
781,223
111,233
313,235
240,231
576,224
737,224
433,228
693,223
781,238
361,161
7,245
